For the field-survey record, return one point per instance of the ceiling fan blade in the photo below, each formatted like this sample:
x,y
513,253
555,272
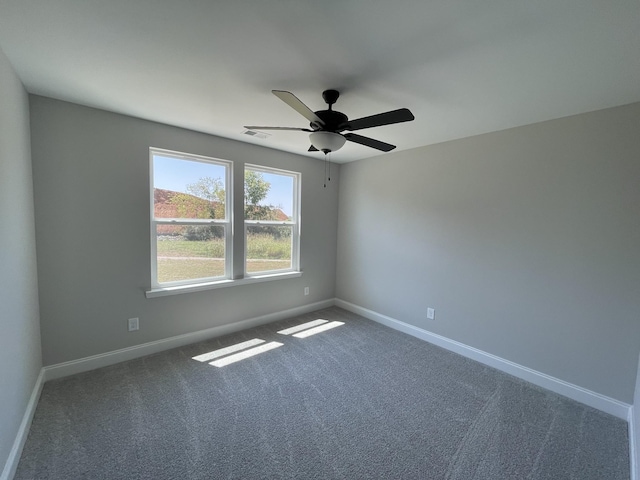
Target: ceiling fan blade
x,y
295,103
313,149
369,142
387,118
258,127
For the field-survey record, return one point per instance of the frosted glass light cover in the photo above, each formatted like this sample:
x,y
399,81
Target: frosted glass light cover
x,y
327,141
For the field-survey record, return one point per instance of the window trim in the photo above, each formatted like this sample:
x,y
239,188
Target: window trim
x,y
227,222
199,287
231,231
295,223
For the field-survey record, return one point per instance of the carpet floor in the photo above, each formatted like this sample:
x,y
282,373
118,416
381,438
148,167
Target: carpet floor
x,y
342,398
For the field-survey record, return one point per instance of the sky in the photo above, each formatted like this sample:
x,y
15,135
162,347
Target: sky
x,y
174,174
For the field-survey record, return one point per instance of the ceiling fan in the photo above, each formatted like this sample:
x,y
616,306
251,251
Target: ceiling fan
x,y
327,125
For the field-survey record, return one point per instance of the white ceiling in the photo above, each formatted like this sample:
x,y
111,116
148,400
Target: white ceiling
x,y
463,67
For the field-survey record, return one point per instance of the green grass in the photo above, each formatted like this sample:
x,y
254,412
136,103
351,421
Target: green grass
x,y
185,248
258,247
184,259
171,270
266,247
254,266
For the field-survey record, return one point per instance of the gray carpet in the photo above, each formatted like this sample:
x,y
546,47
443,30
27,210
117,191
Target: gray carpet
x,y
354,402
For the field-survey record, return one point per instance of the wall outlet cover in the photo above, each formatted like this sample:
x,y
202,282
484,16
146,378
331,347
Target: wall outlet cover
x,y
134,324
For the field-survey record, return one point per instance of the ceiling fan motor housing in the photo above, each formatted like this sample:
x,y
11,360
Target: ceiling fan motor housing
x,y
333,121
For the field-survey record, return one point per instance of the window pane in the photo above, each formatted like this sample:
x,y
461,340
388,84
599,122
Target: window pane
x,y
188,252
187,188
268,196
268,248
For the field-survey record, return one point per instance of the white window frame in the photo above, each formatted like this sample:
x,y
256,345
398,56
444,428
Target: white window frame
x,y
294,222
226,223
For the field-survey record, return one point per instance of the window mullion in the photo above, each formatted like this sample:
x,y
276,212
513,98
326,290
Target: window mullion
x,y
237,221
268,222
190,221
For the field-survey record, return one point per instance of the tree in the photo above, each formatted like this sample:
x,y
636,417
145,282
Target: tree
x,y
256,189
206,199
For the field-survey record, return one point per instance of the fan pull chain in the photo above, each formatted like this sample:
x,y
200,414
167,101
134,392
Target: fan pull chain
x,y
327,169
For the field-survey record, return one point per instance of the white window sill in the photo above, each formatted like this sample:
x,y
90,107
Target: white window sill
x,y
198,287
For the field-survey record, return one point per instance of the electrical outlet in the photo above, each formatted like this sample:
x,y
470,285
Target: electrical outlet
x,y
431,313
134,324
306,290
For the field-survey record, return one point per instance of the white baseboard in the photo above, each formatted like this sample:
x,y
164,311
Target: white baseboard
x,y
110,358
634,430
11,464
633,444
574,392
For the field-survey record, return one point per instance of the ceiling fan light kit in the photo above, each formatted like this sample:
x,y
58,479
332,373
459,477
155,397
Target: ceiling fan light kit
x,y
327,125
327,141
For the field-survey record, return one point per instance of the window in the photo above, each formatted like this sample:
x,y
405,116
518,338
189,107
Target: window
x,y
193,225
190,218
271,220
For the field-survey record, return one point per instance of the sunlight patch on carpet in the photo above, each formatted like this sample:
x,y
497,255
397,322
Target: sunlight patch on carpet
x,y
236,357
205,357
321,328
302,326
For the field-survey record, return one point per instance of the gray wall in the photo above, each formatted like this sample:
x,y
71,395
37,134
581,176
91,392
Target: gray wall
x,y
525,241
91,183
20,360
